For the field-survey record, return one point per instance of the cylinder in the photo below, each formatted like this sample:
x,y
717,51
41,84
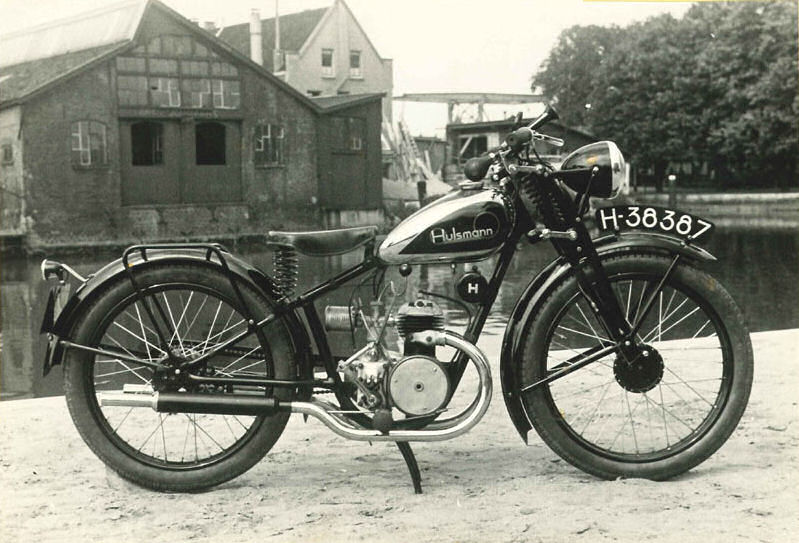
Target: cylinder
x,y
340,318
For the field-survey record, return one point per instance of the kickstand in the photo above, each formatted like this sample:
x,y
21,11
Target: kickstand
x,y
413,467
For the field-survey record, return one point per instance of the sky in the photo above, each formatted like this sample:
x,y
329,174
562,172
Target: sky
x,y
436,45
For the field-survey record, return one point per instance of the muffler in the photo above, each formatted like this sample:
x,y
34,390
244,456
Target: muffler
x,y
243,404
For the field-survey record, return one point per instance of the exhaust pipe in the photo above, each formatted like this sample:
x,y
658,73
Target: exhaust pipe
x,y
242,404
177,402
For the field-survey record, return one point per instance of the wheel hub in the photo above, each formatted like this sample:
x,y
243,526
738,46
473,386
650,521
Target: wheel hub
x,y
640,374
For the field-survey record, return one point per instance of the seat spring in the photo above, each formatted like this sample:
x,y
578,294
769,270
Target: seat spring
x,y
286,270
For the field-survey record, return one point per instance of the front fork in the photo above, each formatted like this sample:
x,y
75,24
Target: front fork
x,y
595,286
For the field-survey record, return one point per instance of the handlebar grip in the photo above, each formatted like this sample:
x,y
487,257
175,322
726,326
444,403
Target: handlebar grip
x,y
477,168
518,138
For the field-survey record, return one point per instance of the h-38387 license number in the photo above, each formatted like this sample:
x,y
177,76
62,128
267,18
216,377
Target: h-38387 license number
x,y
668,221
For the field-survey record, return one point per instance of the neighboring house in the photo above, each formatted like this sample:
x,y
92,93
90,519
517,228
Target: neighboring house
x,y
320,52
467,140
131,122
350,159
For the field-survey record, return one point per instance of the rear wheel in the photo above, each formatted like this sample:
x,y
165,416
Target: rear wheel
x,y
175,451
664,411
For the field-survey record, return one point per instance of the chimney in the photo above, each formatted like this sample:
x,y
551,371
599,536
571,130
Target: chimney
x,y
256,45
210,26
277,55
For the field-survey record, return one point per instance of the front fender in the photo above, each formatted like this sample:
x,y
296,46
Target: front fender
x,y
87,292
539,289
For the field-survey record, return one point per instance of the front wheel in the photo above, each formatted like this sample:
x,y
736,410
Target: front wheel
x,y
175,451
654,416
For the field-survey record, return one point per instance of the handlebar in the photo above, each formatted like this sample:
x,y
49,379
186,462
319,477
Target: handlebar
x,y
517,139
477,168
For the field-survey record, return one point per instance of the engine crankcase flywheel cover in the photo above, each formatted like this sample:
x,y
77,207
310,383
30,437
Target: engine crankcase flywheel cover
x,y
418,385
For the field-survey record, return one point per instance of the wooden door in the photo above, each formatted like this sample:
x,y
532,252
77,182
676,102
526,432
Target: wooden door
x,y
211,170
151,162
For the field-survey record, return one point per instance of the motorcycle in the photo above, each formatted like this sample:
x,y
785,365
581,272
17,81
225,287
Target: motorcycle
x,y
182,362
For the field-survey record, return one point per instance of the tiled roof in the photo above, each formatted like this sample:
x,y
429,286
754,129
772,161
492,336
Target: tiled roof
x,y
63,54
295,28
19,80
345,100
109,24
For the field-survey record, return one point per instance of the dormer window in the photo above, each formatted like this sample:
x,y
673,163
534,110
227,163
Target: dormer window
x,y
355,65
327,63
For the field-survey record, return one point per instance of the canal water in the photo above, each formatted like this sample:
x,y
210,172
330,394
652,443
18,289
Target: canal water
x,y
760,267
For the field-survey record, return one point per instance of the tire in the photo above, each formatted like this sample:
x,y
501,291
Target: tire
x,y
652,420
174,451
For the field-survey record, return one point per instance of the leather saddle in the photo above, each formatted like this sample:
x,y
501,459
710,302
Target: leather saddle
x,y
324,242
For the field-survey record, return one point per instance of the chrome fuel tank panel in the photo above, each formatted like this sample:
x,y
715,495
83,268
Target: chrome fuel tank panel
x,y
463,225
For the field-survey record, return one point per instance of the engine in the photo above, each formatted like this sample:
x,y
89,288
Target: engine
x,y
418,384
414,382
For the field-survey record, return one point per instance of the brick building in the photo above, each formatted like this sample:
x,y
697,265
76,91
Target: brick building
x,y
131,122
320,52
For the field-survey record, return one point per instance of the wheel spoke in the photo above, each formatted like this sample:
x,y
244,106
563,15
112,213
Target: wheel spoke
x,y
649,336
209,436
610,407
596,335
197,314
176,332
146,343
199,321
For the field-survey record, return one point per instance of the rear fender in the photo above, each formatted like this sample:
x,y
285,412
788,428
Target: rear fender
x,y
540,288
86,293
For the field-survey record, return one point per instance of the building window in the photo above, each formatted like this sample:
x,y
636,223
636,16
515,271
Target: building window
x,y
163,66
472,146
314,92
194,78
131,64
8,153
269,145
132,90
224,69
209,144
164,92
227,94
356,134
197,93
146,141
355,65
327,63
89,145
350,133
194,67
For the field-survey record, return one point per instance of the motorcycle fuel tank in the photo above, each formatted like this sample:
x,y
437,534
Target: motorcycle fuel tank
x,y
464,225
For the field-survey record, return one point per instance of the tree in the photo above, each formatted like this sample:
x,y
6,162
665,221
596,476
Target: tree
x,y
716,89
750,62
576,58
640,98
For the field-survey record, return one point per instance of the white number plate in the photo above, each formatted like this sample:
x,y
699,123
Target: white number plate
x,y
660,219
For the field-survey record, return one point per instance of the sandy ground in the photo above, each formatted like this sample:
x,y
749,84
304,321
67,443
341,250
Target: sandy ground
x,y
484,486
